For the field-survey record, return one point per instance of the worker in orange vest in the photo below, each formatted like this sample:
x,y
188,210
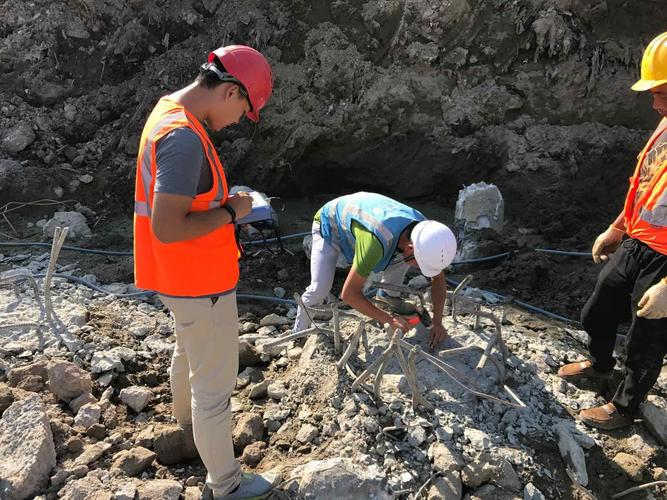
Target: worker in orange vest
x,y
185,250
633,284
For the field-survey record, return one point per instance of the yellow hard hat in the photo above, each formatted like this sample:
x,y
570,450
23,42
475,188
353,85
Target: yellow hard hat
x,y
654,64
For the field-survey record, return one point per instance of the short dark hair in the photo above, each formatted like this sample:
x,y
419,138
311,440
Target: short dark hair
x,y
408,229
207,78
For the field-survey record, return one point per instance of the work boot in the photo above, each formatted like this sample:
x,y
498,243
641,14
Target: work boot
x,y
252,487
605,417
581,369
395,304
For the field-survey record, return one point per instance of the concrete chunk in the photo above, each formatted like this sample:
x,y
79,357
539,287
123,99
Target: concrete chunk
x,y
572,452
340,478
654,412
26,447
480,206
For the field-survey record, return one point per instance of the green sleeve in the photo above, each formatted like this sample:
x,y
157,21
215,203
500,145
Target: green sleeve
x,y
368,251
318,216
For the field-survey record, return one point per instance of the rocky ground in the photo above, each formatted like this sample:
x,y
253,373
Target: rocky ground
x,y
85,404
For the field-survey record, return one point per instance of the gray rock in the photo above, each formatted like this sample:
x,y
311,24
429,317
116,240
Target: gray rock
x,y
445,458
416,435
654,412
276,390
136,397
74,444
247,327
125,491
506,477
74,220
572,452
270,351
88,487
530,492
32,383
249,428
248,355
18,138
164,489
477,473
480,206
67,381
258,391
133,462
447,487
85,398
157,344
340,478
91,453
307,433
253,453
39,368
59,477
274,320
174,443
6,398
104,361
88,415
96,431
478,439
26,447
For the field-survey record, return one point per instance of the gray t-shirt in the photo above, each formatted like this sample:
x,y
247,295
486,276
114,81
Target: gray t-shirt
x,y
182,167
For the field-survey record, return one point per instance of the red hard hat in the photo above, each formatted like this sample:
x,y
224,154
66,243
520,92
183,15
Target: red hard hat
x,y
251,69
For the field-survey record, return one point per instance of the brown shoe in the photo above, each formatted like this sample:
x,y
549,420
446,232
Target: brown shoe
x,y
605,417
581,369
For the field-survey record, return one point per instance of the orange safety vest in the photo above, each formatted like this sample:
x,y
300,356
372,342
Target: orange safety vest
x,y
646,217
207,265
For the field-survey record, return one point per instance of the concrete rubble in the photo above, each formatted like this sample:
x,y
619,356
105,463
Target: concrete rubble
x,y
294,400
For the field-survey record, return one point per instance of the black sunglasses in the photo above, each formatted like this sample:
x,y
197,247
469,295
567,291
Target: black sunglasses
x,y
226,77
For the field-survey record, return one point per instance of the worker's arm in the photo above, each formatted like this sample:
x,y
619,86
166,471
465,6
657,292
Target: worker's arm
x,y
619,222
173,221
181,165
353,296
438,296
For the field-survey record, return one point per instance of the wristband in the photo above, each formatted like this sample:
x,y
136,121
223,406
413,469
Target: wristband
x,y
231,212
611,226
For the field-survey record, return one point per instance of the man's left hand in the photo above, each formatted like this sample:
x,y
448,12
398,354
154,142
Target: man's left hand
x,y
653,305
437,335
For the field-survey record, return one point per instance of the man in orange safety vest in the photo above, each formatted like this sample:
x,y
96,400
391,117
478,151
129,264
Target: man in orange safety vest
x,y
633,284
185,250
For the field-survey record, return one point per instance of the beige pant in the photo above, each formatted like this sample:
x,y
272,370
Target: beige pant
x,y
203,375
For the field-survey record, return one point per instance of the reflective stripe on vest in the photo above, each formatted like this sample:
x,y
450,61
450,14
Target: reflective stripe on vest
x,y
206,265
382,216
646,216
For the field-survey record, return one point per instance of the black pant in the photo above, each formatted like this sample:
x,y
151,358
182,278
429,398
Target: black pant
x,y
631,270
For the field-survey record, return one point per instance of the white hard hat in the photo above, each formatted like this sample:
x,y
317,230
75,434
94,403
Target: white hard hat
x,y
434,246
